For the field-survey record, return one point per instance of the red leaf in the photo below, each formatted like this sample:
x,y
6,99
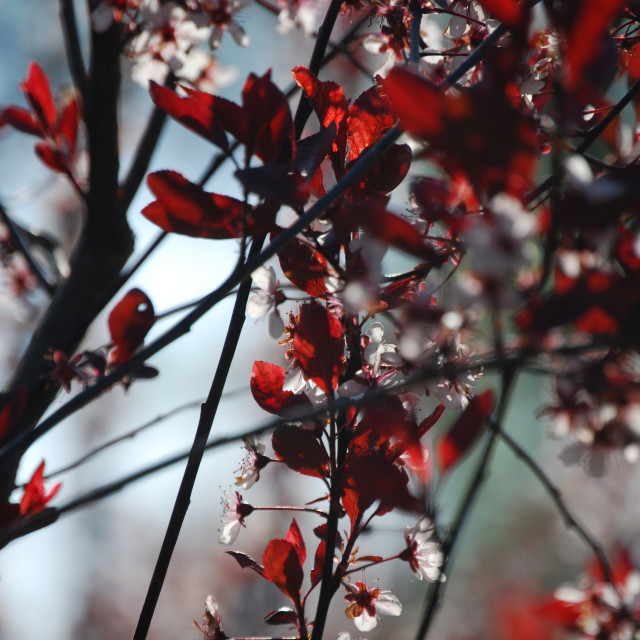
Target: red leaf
x,y
477,132
38,94
282,567
129,323
270,130
284,615
278,181
23,120
300,450
597,322
305,268
369,478
369,119
185,208
588,28
231,116
419,104
193,111
51,157
466,430
374,218
388,419
35,497
318,346
385,175
399,292
312,150
294,536
267,381
328,102
509,12
68,126
246,562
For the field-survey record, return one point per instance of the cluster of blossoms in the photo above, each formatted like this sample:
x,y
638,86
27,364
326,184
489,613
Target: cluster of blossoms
x,y
598,406
606,609
375,360
166,37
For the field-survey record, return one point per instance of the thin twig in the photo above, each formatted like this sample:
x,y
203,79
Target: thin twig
x,y
315,64
207,416
589,139
434,595
73,48
19,244
556,497
126,436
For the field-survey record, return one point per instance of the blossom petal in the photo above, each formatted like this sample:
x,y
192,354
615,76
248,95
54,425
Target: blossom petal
x,y
365,622
259,304
230,531
265,278
388,604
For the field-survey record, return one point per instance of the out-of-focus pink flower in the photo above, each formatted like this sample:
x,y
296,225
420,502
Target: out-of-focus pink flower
x,y
423,552
266,300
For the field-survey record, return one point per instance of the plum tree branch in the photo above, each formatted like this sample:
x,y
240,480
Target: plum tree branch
x,y
104,246
207,416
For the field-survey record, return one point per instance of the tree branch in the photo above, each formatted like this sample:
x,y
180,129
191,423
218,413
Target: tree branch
x,y
207,416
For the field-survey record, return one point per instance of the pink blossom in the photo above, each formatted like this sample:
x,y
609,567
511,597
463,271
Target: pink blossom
x,y
366,603
234,511
423,552
266,299
252,464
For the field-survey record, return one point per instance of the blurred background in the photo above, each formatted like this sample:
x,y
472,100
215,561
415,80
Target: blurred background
x,y
86,576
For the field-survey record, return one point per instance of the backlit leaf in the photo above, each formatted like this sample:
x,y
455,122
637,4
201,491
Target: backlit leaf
x,y
465,431
300,450
267,381
185,208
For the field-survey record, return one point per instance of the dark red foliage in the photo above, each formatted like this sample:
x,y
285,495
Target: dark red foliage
x,y
129,323
301,451
304,267
369,119
283,560
318,563
330,105
384,176
270,130
192,111
278,181
266,387
465,431
185,208
37,91
35,497
59,131
281,616
373,217
585,24
263,124
370,478
511,13
477,132
318,346
246,562
387,420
